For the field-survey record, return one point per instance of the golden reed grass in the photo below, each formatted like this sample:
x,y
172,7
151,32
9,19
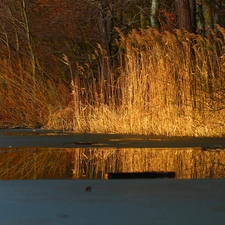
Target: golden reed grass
x,y
32,163
26,101
158,83
164,84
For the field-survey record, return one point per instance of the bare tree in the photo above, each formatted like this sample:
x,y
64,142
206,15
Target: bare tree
x,y
15,33
106,12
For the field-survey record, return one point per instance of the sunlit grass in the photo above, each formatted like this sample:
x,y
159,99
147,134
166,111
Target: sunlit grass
x,y
160,83
165,84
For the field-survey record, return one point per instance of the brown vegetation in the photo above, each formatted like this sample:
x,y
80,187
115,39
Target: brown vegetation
x,y
54,74
165,84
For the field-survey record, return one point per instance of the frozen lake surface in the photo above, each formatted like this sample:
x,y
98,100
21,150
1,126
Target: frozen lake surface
x,y
53,139
112,202
108,202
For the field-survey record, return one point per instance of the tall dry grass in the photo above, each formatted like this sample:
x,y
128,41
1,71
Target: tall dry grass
x,y
163,84
25,100
157,83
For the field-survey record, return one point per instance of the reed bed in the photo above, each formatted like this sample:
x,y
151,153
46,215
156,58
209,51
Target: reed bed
x,y
156,83
163,84
93,163
28,100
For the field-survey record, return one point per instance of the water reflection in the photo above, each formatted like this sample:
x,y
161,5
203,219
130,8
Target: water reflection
x,y
95,163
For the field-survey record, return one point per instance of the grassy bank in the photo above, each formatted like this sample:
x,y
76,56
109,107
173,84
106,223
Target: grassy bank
x,y
160,83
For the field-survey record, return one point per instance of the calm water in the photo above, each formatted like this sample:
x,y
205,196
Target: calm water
x,y
27,154
84,163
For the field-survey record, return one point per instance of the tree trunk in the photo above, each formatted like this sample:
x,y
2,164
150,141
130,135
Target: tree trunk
x,y
208,16
184,14
106,27
29,42
193,14
154,12
200,18
221,16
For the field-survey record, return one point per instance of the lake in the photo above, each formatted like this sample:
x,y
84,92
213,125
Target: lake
x,y
58,178
50,154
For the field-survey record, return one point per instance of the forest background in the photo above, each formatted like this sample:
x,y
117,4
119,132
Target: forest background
x,y
114,66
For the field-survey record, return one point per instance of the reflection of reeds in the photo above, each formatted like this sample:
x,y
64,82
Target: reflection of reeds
x,y
188,163
33,163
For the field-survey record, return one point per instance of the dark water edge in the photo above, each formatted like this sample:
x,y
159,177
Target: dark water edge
x,y
49,154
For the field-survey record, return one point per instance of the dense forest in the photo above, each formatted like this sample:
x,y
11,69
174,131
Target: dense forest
x,y
115,66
